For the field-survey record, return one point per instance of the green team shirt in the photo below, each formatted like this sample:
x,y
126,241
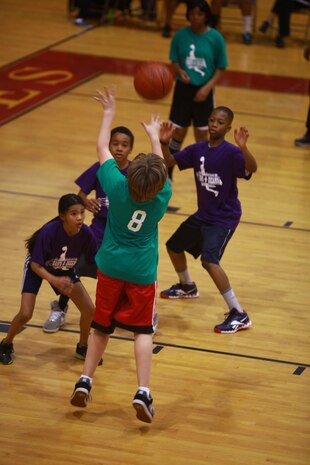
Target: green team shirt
x,y
200,55
129,250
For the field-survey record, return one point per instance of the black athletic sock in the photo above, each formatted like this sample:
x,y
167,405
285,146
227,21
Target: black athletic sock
x,y
63,302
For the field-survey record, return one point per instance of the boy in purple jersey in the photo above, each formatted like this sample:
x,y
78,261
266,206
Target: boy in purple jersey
x,y
53,252
121,145
217,164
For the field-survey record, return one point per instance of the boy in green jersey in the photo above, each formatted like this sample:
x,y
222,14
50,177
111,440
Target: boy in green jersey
x,y
127,259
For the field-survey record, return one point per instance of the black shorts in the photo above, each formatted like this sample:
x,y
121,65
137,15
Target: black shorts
x,y
32,282
84,268
199,238
184,111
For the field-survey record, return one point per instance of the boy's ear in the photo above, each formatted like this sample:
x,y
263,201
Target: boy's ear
x,y
228,129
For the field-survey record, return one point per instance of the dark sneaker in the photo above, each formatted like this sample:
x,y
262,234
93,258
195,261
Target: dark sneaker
x,y
264,27
166,32
6,351
81,394
235,321
80,353
247,38
144,406
56,319
279,42
180,291
303,141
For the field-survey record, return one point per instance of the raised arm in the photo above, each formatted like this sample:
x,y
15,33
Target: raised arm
x,y
166,132
241,137
107,100
152,130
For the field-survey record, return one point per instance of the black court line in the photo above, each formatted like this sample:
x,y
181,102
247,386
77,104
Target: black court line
x,y
171,211
299,370
300,365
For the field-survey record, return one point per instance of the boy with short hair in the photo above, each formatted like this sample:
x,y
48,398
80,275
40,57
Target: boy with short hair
x,y
217,165
127,259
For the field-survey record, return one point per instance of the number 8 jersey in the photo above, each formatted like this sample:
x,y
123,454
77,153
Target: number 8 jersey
x,y
129,250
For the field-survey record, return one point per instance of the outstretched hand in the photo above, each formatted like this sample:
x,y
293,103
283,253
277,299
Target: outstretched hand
x,y
241,136
166,131
152,128
106,98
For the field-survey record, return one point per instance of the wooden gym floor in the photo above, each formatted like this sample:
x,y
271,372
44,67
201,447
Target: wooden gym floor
x,y
220,399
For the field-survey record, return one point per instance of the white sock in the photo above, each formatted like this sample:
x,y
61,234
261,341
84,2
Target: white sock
x,y
145,389
89,379
184,277
247,24
232,301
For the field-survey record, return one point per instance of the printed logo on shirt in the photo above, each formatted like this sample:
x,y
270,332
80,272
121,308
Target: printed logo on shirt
x,y
208,180
104,201
62,263
195,63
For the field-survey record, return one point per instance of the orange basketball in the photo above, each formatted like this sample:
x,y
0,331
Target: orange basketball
x,y
153,81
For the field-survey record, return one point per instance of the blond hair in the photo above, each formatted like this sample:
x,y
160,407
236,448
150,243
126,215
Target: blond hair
x,y
146,175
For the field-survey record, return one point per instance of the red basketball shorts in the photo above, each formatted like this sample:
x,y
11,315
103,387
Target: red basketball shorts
x,y
123,304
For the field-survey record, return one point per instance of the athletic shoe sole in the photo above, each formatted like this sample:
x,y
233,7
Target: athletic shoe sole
x,y
6,359
142,411
185,296
80,397
232,331
300,144
46,330
82,357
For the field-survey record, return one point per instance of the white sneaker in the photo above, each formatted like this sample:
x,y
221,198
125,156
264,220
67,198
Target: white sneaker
x,y
55,320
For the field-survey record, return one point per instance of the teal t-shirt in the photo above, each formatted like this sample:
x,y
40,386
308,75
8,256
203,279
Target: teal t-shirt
x,y
129,250
200,55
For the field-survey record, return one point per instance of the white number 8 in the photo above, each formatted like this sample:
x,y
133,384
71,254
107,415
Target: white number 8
x,y
137,219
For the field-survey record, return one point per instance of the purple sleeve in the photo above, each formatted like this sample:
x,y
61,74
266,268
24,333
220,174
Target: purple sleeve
x,y
239,165
43,247
185,158
87,181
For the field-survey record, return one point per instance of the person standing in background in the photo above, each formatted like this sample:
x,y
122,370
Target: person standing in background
x,y
198,54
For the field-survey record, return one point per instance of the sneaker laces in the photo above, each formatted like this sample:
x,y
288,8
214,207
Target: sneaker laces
x,y
176,286
55,315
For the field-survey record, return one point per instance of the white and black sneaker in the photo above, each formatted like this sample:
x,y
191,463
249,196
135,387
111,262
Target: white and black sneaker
x,y
81,394
180,291
235,321
144,406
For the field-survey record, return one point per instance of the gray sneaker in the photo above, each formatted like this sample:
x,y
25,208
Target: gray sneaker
x,y
56,319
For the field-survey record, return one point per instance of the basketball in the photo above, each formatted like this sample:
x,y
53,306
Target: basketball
x,y
153,81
